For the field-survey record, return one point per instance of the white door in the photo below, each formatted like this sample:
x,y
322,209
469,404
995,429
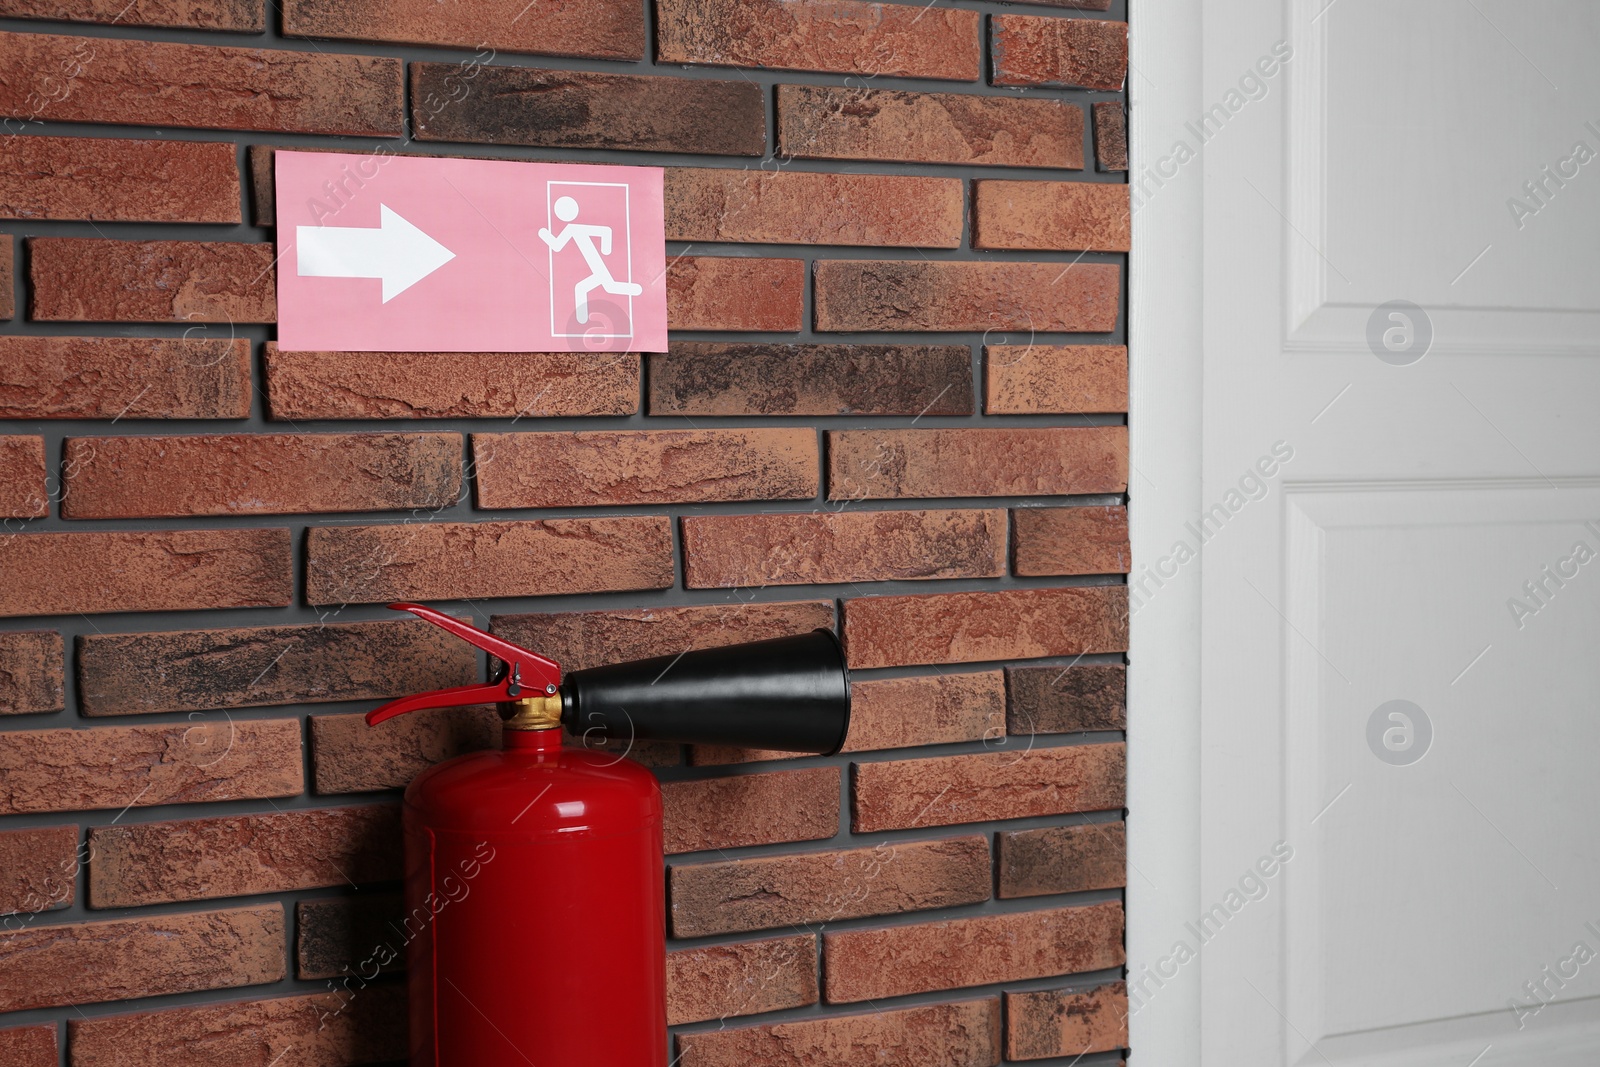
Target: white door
x,y
1368,801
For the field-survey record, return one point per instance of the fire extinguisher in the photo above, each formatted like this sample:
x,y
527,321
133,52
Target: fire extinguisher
x,y
534,883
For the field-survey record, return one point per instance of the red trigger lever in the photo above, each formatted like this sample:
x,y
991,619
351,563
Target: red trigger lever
x,y
526,673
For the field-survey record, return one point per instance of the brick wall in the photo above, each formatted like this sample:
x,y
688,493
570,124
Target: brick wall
x,y
894,405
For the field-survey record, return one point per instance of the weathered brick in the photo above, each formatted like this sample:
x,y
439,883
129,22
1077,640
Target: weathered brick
x,y
577,109
144,570
1063,1022
29,1046
946,790
38,870
986,461
24,486
122,959
735,293
31,672
90,279
892,631
1084,540
1077,53
839,36
1058,700
950,295
137,766
337,935
796,548
869,964
124,378
1035,379
751,809
1110,136
841,122
820,887
320,1030
241,855
148,83
1061,859
449,385
965,1034
1060,216
241,16
348,756
8,278
802,207
553,470
600,29
745,978
259,474
102,179
463,560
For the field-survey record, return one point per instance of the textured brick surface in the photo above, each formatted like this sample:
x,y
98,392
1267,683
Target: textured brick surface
x,y
819,887
745,978
29,1046
1077,53
38,871
724,551
124,377
574,109
743,378
735,293
24,492
1055,700
841,36
32,674
87,279
118,180
137,766
753,809
800,207
1110,136
351,757
941,295
1059,1022
441,385
838,122
1039,379
336,935
242,16
600,29
987,461
8,278
101,79
1061,859
146,570
891,631
1065,216
457,560
1085,540
868,964
965,1034
82,963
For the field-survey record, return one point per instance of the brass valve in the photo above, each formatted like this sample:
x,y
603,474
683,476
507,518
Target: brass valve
x,y
533,713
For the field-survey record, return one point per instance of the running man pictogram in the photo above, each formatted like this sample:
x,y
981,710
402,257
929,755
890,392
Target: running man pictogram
x,y
584,236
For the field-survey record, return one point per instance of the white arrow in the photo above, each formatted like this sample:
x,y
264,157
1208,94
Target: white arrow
x,y
395,251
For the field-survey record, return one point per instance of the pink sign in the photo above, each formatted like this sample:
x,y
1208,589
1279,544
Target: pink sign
x,y
386,253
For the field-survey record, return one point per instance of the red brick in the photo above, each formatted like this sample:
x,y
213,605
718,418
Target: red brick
x,y
122,959
1052,216
820,887
891,631
147,83
735,293
599,29
242,16
751,809
1015,947
1083,540
745,978
144,570
577,109
743,378
721,551
24,491
802,207
840,122
463,560
1061,859
949,295
38,870
336,935
31,672
971,461
319,1030
8,279
553,470
1110,136
839,36
1062,1022
30,1046
124,377
88,279
1056,700
259,474
1037,379
965,1034
1075,53
449,385
101,179
349,756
